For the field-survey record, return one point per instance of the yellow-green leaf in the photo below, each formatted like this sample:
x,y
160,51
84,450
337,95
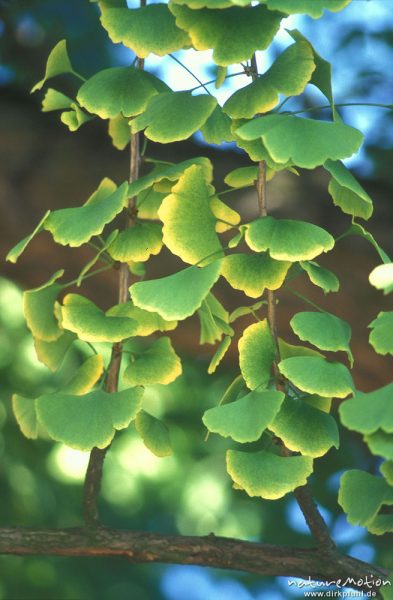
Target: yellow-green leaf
x,y
320,276
159,363
148,322
381,336
154,433
58,63
256,354
137,243
86,376
17,250
38,308
316,375
219,354
253,273
52,353
346,191
25,415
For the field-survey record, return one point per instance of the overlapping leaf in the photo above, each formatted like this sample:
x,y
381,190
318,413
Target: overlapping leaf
x,y
362,495
253,273
147,322
314,8
268,475
54,100
227,218
288,240
119,132
154,433
137,243
86,376
304,142
217,128
366,413
38,308
380,443
316,375
323,330
256,354
219,354
320,276
159,363
214,320
52,353
381,336
346,191
25,415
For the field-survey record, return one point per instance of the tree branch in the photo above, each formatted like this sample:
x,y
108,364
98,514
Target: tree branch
x,y
209,551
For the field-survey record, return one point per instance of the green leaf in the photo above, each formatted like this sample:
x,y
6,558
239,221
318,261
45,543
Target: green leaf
x,y
75,117
288,75
25,415
85,422
154,433
242,311
147,29
119,91
234,34
120,132
86,376
323,330
313,8
305,429
381,337
148,322
75,226
105,245
38,308
382,277
91,324
287,239
54,100
356,229
304,142
221,73
380,443
318,376
189,224
366,413
268,475
320,276
159,363
227,218
346,191
58,63
52,353
217,128
137,243
219,354
177,296
252,273
362,495
290,350
148,202
242,177
380,525
214,320
17,250
256,354
173,116
246,419
387,471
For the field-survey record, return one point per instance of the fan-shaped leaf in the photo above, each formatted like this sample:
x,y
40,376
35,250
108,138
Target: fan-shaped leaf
x,y
242,177
323,330
381,337
75,226
58,63
256,354
356,229
380,443
52,353
137,243
148,322
173,116
217,128
387,471
367,413
287,239
177,296
75,118
320,276
25,415
305,142
382,277
214,320
268,475
219,354
154,433
246,419
362,495
227,218
159,363
88,421
38,308
86,376
120,132
314,8
252,274
54,100
318,376
17,250
346,191
242,311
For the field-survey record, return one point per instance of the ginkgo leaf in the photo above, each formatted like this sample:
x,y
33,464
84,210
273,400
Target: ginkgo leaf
x,y
242,177
221,72
246,419
105,245
288,240
256,354
380,443
38,308
146,29
288,75
25,415
305,429
219,354
54,100
304,142
119,91
91,324
75,118
154,433
119,131
290,350
88,421
173,116
177,296
148,322
159,363
242,311
137,243
346,191
188,222
320,276
234,34
318,376
20,247
196,4
227,218
253,273
381,336
366,413
357,229
256,150
387,471
217,128
378,526
214,320
313,8
323,330
52,353
86,376
58,63
382,277
75,226
362,495
267,475
148,202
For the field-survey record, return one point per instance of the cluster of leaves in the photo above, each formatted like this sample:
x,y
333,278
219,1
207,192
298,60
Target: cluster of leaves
x,y
177,206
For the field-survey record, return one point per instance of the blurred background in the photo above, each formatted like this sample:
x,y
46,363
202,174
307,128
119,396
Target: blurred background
x,y
44,166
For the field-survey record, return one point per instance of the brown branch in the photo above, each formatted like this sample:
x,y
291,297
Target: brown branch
x,y
209,551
